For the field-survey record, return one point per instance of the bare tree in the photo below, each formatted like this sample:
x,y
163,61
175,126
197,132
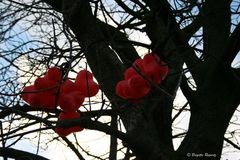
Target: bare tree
x,y
197,39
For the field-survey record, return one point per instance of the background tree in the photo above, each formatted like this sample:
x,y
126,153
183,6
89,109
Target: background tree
x,y
198,39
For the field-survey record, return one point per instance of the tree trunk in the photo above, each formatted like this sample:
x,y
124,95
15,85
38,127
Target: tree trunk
x,y
210,116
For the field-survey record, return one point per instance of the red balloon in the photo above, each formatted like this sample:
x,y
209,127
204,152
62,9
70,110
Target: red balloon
x,y
124,91
150,62
129,73
134,88
66,103
32,100
41,83
131,93
137,83
153,73
88,88
70,102
51,102
45,83
36,100
156,70
48,100
84,75
120,89
43,100
78,98
152,67
66,131
135,71
156,77
150,57
139,63
25,96
67,86
64,115
54,74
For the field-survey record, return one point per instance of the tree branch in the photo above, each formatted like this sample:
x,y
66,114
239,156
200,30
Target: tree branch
x,y
127,9
119,43
187,91
19,154
232,47
73,148
86,122
139,145
117,39
56,4
233,144
193,27
113,140
216,29
165,33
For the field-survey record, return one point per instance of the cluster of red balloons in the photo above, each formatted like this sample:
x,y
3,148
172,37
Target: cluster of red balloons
x,y
138,78
52,90
43,94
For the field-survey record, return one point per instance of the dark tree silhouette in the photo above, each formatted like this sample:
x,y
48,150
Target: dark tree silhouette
x,y
197,39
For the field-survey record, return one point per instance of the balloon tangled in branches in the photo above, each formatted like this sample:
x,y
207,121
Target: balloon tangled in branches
x,y
51,91
139,79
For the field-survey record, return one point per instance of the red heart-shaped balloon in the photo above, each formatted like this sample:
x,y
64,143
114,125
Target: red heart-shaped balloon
x,y
25,96
151,57
42,83
78,98
84,75
139,84
33,100
120,89
131,71
139,63
36,100
153,73
66,131
70,102
126,92
54,74
88,88
43,100
67,86
131,93
152,67
50,100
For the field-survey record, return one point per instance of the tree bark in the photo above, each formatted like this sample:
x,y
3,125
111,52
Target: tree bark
x,y
210,116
